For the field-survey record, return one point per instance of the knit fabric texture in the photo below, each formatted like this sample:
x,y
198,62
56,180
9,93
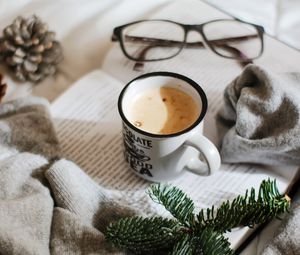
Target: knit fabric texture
x,y
286,240
47,205
261,123
261,112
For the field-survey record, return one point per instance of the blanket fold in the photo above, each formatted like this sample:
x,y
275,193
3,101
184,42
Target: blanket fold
x,y
261,116
47,205
262,112
286,240
83,211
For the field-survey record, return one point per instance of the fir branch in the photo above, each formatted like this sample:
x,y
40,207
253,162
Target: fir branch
x,y
175,201
209,242
140,235
183,246
189,234
245,210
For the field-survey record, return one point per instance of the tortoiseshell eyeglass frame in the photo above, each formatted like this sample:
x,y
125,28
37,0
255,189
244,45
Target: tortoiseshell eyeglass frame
x,y
221,43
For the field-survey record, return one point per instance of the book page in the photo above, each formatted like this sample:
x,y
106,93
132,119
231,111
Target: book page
x,y
89,129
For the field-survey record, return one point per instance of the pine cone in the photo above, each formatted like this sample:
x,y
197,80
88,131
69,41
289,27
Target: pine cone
x,y
29,49
3,88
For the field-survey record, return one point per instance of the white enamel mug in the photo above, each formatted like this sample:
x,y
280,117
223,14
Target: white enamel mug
x,y
160,157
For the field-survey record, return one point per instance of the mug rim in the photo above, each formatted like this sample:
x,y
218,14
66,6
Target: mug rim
x,y
189,81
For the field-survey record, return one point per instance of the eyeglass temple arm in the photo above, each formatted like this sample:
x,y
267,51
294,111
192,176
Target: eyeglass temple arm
x,y
138,66
243,59
171,43
168,43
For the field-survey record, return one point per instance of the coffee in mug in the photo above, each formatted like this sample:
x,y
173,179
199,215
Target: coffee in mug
x,y
163,110
162,115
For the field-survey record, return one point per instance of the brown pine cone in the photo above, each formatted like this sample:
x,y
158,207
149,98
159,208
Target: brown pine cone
x,y
29,50
3,88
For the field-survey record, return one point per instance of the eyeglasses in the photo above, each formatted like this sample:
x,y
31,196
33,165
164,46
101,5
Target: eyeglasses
x,y
155,40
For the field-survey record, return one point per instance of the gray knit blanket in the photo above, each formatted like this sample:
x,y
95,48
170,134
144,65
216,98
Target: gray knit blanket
x,y
48,205
262,112
261,119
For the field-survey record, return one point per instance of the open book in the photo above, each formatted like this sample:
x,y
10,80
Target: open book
x,y
89,127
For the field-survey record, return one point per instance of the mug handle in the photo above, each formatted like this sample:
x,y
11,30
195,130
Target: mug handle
x,y
208,151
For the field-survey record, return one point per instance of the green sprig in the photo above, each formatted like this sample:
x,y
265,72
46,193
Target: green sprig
x,y
247,210
139,234
175,201
189,233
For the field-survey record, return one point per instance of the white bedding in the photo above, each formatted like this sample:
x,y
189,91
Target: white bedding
x,y
280,18
84,28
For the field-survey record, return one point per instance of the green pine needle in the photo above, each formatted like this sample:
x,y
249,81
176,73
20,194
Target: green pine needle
x,y
143,234
209,242
247,210
184,246
175,201
190,234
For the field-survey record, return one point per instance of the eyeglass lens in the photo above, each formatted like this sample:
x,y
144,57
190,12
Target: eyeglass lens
x,y
233,39
153,40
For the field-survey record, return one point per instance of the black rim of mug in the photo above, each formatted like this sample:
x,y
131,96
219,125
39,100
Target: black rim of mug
x,y
189,81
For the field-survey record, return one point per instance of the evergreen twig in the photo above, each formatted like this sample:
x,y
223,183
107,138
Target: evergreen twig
x,y
210,242
247,210
190,234
139,234
175,201
184,246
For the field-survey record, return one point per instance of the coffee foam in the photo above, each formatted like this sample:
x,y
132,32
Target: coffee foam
x,y
163,110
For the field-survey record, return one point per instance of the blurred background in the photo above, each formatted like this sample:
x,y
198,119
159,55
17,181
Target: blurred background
x,y
280,18
84,29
